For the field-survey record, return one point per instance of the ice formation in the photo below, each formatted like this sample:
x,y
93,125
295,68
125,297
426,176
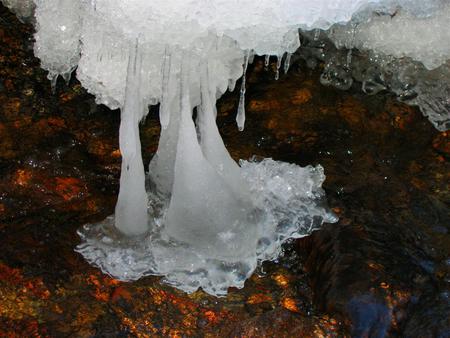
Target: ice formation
x,y
405,50
23,8
198,218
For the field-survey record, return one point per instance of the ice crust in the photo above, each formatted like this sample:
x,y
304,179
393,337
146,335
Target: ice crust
x,y
203,220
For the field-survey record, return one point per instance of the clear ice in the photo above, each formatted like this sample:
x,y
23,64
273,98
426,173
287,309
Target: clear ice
x,y
197,217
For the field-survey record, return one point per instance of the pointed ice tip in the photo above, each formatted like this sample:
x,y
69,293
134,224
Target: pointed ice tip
x,y
67,76
241,128
53,81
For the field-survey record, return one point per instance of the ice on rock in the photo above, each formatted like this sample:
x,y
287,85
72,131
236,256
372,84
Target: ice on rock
x,y
204,221
24,9
424,38
58,41
402,47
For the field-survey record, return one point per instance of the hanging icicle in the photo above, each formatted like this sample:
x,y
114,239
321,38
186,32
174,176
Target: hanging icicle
x,y
240,118
287,62
164,109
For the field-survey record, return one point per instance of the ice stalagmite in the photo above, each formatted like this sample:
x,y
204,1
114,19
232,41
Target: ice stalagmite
x,y
204,221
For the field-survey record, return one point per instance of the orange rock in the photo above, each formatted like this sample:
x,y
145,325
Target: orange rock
x,y
290,304
120,292
22,177
11,108
116,153
211,316
264,105
56,122
10,275
69,188
442,143
384,285
301,96
259,298
351,110
281,280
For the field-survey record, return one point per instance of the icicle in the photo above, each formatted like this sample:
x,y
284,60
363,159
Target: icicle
x,y
316,34
131,209
354,26
287,62
240,118
211,142
277,74
231,85
67,76
251,57
204,211
53,81
164,113
267,61
161,166
349,58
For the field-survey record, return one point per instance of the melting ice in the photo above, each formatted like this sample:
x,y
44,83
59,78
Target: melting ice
x,y
197,218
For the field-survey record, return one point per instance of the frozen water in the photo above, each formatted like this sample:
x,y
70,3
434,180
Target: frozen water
x,y
131,208
290,203
205,221
401,33
23,8
402,50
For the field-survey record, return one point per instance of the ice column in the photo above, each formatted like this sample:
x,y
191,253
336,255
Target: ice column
x,y
205,211
131,208
161,168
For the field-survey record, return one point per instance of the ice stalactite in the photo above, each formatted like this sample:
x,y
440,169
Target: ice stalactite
x,y
164,111
287,62
267,60
279,60
240,117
